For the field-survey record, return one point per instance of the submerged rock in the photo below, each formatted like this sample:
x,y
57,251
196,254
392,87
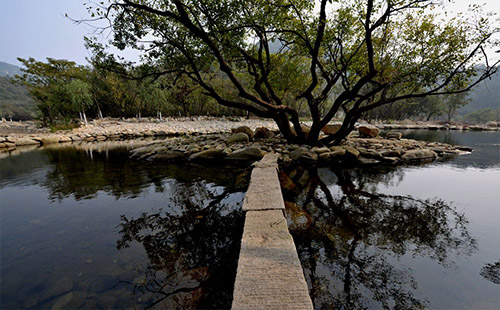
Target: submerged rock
x,y
167,156
57,288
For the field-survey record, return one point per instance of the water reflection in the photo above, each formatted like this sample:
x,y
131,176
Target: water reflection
x,y
63,208
491,272
349,235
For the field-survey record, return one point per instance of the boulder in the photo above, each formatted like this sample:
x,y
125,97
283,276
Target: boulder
x,y
368,131
64,139
303,154
7,145
305,129
394,135
320,150
244,129
238,137
26,141
350,152
419,155
492,124
391,153
50,140
211,154
331,129
249,153
337,151
263,133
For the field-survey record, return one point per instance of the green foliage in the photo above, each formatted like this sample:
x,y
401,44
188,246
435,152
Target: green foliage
x,y
57,87
273,58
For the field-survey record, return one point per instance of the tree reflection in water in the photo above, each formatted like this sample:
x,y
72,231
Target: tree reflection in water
x,y
192,244
347,234
192,253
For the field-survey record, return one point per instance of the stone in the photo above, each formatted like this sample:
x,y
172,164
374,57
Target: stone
x,y
368,131
492,124
238,138
138,152
71,300
297,218
303,154
65,139
210,154
269,274
351,153
57,288
50,140
390,160
421,155
367,161
287,184
394,135
320,150
337,151
244,129
263,133
392,153
30,302
324,156
26,141
249,153
167,156
7,145
331,129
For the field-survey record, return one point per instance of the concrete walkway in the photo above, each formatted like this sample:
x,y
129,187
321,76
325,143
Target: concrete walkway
x,y
269,274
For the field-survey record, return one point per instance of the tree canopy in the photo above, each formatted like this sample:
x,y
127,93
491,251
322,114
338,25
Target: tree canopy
x,y
354,55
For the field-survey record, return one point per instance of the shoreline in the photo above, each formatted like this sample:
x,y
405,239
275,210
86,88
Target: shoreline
x,y
205,139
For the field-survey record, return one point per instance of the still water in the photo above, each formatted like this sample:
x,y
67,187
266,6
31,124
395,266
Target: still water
x,y
407,237
93,229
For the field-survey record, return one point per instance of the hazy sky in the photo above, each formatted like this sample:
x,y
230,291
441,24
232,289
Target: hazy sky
x,y
39,29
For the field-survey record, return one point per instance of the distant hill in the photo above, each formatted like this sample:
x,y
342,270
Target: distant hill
x,y
15,100
8,69
486,95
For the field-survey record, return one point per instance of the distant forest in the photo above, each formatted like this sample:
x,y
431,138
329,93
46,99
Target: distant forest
x,y
16,102
15,99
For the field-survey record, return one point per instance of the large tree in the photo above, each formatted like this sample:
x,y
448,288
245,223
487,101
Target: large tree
x,y
357,54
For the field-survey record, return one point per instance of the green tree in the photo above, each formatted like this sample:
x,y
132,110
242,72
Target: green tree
x,y
80,96
359,55
55,88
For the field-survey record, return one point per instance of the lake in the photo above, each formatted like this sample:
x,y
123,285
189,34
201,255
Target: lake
x,y
90,228
402,237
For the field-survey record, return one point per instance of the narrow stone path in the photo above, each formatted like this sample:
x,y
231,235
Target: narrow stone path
x,y
269,274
